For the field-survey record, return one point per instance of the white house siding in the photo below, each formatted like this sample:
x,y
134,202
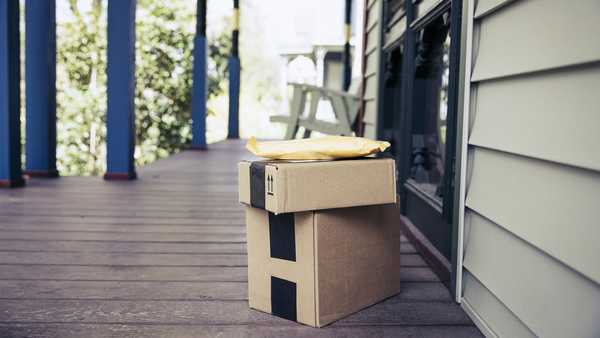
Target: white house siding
x,y
532,219
372,56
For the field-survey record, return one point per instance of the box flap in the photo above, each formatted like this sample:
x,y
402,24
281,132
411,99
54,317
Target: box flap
x,y
316,185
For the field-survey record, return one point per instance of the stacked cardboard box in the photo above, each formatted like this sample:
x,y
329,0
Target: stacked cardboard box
x,y
323,237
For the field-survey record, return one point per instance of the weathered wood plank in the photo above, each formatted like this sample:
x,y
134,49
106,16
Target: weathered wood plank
x,y
91,247
213,313
123,273
129,228
161,273
189,291
129,237
117,220
147,259
33,330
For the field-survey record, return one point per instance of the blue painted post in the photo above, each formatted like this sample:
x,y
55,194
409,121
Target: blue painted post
x,y
10,129
234,76
120,117
199,88
40,86
347,57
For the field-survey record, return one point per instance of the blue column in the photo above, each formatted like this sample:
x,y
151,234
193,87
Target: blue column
x,y
120,116
347,57
199,88
40,86
234,76
10,129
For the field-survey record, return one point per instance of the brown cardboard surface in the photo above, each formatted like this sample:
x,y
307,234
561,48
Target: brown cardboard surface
x,y
358,259
346,260
317,185
261,266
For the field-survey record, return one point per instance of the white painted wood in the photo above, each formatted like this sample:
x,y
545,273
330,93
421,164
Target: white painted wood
x,y
373,41
536,35
548,297
373,15
395,32
533,186
551,115
486,7
372,57
370,131
553,207
477,319
490,315
371,87
370,115
463,144
371,65
424,6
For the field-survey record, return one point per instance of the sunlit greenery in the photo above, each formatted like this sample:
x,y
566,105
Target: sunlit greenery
x,y
164,45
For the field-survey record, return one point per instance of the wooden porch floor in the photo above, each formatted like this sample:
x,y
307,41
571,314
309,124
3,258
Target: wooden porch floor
x,y
164,256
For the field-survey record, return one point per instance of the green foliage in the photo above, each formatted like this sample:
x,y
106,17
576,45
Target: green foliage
x,y
164,46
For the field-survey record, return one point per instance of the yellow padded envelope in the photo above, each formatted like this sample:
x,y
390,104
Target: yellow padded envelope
x,y
324,148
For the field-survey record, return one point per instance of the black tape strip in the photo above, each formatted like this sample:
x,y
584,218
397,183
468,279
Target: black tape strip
x,y
282,236
257,184
283,298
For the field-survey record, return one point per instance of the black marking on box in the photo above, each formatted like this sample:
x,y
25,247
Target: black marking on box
x,y
282,236
283,298
257,184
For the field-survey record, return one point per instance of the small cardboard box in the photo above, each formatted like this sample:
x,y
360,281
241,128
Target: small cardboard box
x,y
282,187
315,267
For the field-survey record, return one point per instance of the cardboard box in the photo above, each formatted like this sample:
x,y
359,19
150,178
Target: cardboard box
x,y
315,267
282,187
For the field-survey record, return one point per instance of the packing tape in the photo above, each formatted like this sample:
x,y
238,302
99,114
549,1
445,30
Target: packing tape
x,y
257,184
283,298
282,236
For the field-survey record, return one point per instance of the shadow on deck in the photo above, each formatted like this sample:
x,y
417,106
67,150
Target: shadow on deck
x,y
164,256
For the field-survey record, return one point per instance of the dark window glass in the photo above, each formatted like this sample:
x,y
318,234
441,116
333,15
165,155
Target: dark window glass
x,y
430,107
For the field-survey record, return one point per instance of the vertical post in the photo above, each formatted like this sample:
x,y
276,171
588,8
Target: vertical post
x,y
120,117
234,75
320,54
10,129
347,58
40,86
199,87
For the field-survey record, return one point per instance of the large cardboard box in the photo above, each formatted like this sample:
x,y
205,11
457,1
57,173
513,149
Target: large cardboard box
x,y
281,187
315,267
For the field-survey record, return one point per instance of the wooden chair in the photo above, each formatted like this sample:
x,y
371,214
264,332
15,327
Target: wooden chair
x,y
345,108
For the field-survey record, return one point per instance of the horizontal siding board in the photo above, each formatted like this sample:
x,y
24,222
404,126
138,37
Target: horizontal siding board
x,y
486,7
396,31
372,39
554,207
424,6
373,14
370,131
551,299
497,316
536,35
371,87
370,112
371,64
551,115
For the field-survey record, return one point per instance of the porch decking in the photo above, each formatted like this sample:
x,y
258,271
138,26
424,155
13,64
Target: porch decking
x,y
164,256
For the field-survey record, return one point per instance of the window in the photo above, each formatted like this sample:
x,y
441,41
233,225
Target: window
x,y
430,108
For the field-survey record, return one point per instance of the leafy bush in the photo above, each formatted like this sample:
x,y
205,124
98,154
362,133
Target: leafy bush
x,y
164,45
